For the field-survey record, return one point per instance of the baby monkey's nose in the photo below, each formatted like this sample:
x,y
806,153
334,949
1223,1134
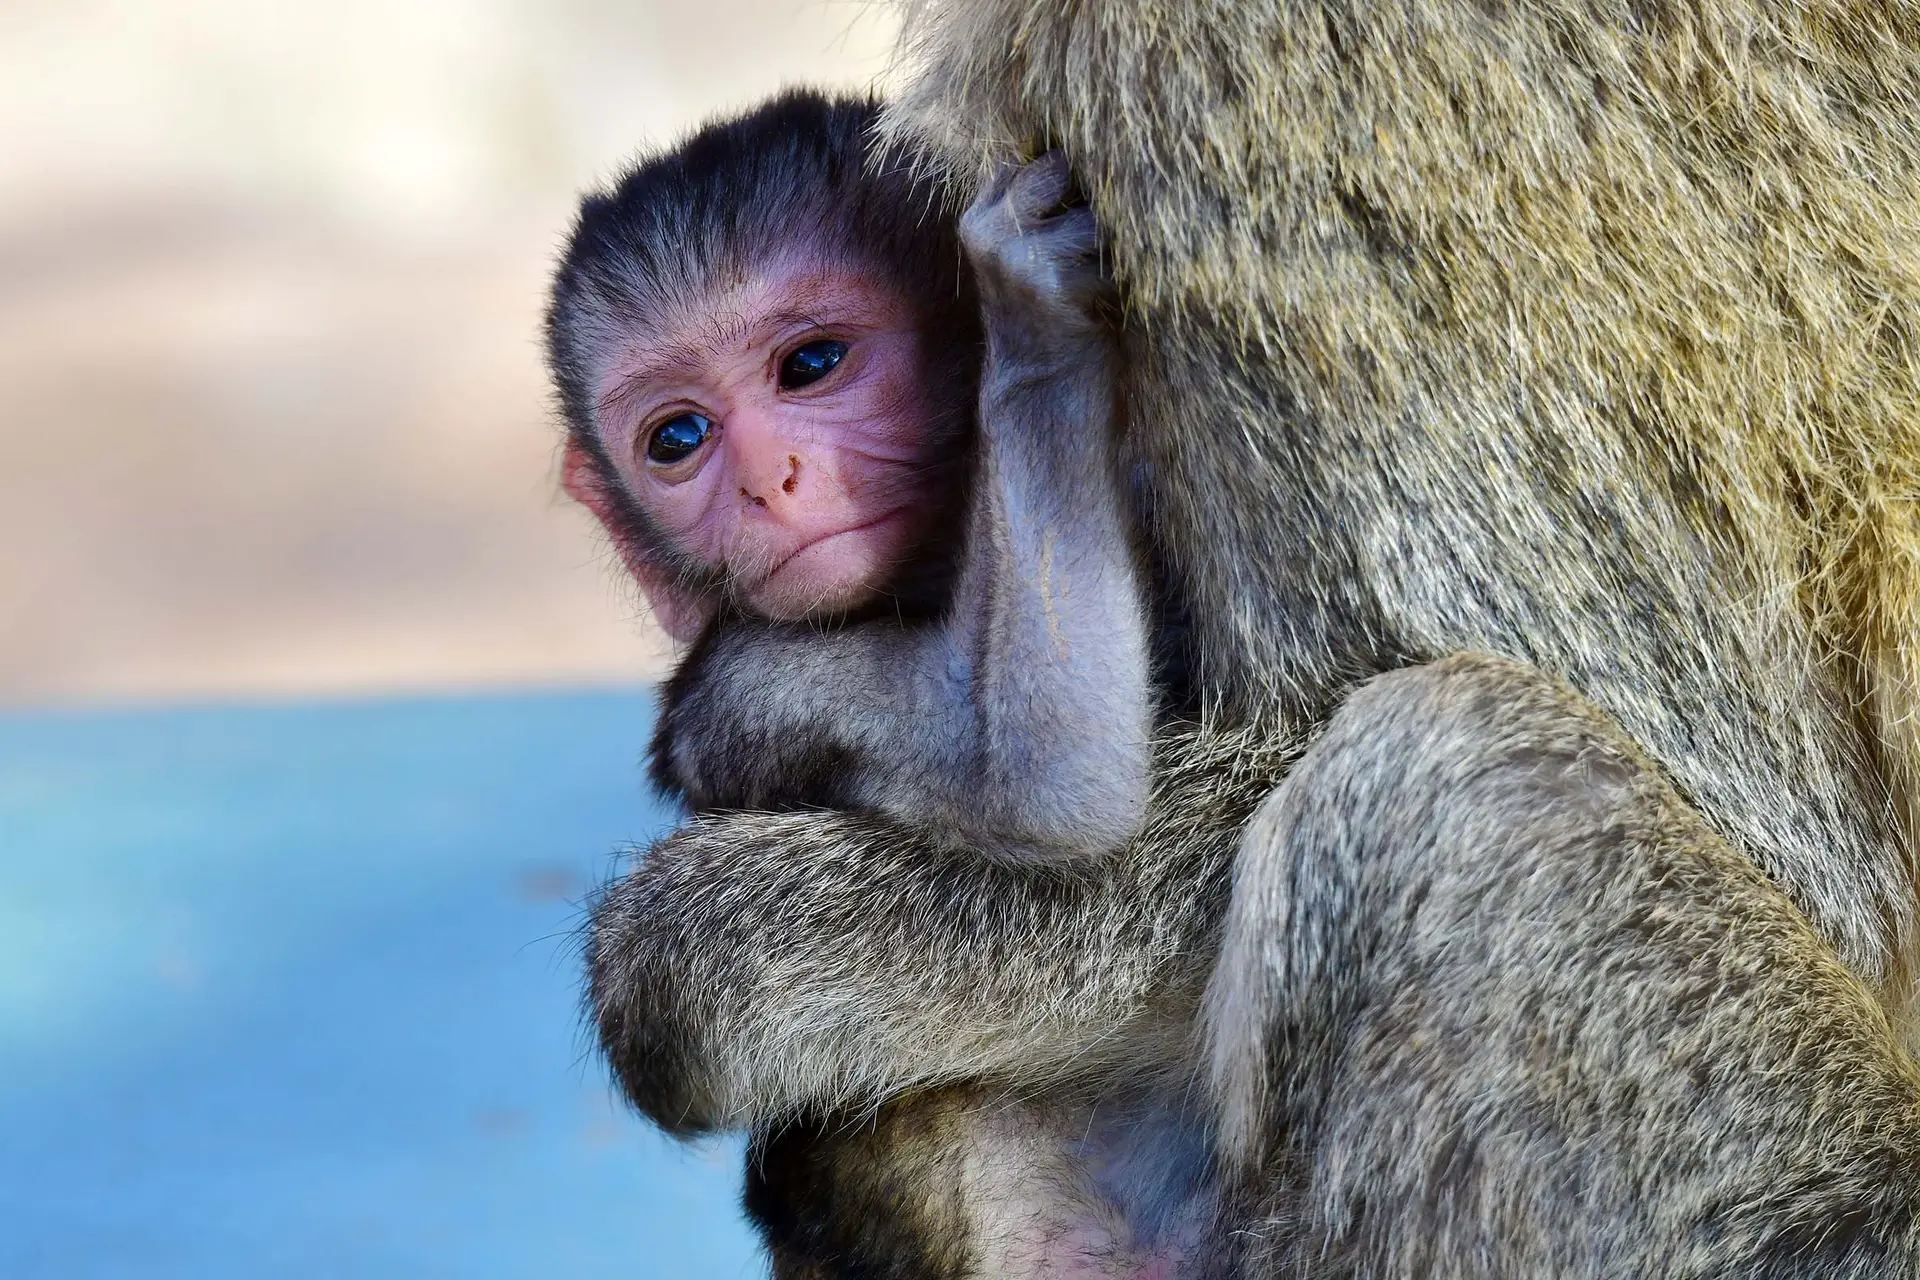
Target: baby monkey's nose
x,y
784,480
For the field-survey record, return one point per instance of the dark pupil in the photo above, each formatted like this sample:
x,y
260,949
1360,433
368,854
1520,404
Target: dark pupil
x,y
811,362
677,437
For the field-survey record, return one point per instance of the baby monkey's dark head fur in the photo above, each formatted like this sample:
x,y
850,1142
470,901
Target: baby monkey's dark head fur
x,y
801,174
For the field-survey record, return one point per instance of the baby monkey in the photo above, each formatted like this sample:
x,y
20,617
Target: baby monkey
x,y
772,364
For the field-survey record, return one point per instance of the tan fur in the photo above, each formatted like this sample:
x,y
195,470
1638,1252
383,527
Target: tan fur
x,y
1672,240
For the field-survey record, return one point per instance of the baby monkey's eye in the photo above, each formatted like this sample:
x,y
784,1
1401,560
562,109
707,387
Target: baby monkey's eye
x,y
811,362
676,438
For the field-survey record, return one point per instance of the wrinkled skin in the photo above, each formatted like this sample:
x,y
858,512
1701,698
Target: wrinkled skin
x,y
803,494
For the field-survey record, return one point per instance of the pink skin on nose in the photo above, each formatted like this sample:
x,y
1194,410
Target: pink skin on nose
x,y
808,495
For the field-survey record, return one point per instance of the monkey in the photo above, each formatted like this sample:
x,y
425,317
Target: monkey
x,y
1011,724
1580,335
1017,719
1045,623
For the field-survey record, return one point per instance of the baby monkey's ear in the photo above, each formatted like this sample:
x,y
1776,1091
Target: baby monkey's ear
x,y
681,613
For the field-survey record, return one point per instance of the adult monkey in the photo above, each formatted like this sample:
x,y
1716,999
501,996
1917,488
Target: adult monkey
x,y
1580,333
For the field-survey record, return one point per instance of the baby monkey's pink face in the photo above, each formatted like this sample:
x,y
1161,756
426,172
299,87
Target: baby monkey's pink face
x,y
779,431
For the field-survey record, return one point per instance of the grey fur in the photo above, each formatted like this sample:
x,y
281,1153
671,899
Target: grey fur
x,y
756,966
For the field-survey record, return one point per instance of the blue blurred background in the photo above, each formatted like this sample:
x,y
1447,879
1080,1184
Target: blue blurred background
x,y
320,715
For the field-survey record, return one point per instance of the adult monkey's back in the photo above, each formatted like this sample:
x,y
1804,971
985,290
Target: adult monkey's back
x,y
1586,333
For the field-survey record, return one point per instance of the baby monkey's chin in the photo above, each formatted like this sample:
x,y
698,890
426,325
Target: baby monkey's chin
x,y
837,571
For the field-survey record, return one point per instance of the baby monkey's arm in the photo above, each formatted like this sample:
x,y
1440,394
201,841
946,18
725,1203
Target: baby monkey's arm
x,y
1020,721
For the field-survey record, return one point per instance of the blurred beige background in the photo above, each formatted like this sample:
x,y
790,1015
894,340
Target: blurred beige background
x,y
272,418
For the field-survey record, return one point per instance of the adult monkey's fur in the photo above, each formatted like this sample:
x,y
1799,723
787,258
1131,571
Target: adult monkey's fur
x,y
1530,1019
1476,311
1585,335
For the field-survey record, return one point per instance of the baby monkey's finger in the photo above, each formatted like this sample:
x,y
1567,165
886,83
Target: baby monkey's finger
x,y
993,188
1041,187
1074,232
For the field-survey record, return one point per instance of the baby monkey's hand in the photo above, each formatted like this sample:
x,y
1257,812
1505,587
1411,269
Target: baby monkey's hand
x,y
1034,252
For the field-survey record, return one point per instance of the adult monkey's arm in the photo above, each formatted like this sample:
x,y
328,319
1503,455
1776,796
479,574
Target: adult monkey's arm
x,y
755,965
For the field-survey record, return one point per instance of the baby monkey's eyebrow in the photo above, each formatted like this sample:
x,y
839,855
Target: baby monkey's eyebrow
x,y
677,361
688,354
801,318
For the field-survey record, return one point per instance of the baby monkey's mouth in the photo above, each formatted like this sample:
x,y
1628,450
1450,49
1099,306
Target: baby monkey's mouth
x,y
836,570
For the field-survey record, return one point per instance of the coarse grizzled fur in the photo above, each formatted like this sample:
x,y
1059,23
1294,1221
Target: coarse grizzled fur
x,y
1580,331
762,965
792,971
1522,1013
